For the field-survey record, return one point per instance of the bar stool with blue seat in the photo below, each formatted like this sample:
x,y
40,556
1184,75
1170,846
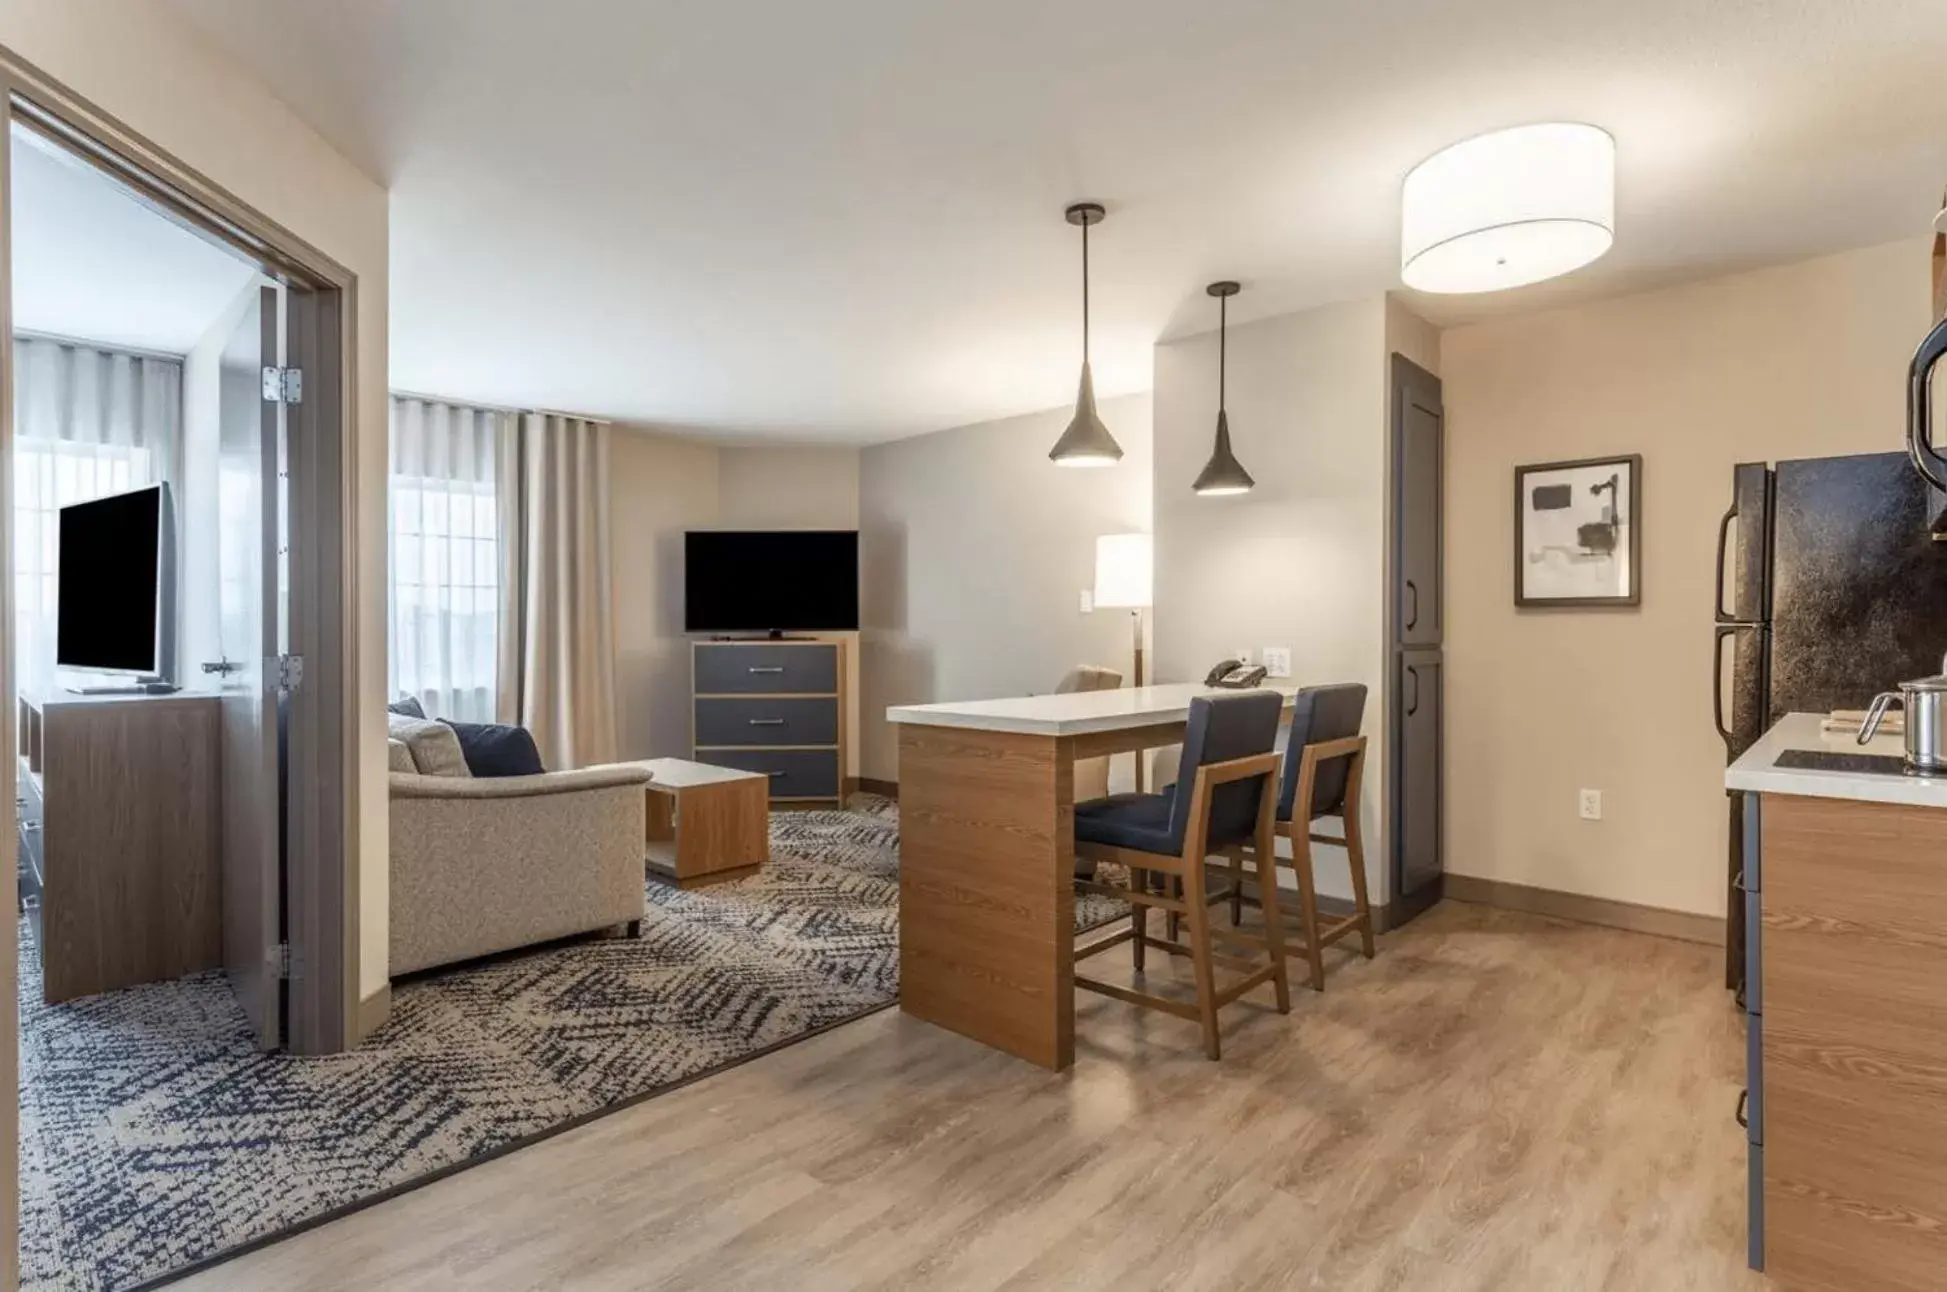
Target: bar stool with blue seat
x,y
1224,801
1324,766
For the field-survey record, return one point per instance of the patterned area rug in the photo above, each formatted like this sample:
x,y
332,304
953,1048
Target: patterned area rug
x,y
155,1136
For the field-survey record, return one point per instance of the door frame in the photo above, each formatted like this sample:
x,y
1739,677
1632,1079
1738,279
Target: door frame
x,y
322,862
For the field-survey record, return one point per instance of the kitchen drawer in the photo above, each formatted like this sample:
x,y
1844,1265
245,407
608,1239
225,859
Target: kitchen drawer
x,y
794,773
765,720
752,668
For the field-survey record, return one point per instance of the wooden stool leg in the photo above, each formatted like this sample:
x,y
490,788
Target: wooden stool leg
x,y
1139,916
1198,914
1236,858
1301,858
1355,852
1266,858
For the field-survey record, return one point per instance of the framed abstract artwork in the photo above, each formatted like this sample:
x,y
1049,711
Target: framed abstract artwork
x,y
1578,535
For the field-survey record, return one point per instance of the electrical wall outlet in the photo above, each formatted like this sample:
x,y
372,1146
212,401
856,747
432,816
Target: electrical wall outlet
x,y
1590,802
1088,602
1277,661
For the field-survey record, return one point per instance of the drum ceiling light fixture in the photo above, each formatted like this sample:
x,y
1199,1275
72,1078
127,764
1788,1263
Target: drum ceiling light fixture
x,y
1508,208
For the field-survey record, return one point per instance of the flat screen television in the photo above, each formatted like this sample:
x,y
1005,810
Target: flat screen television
x,y
113,611
770,581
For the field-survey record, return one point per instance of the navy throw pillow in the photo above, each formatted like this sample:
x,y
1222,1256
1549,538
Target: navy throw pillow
x,y
493,749
409,707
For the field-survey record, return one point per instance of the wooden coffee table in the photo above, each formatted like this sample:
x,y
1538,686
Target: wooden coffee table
x,y
706,824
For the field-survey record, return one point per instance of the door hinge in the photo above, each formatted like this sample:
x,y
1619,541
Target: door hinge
x,y
277,959
287,672
283,385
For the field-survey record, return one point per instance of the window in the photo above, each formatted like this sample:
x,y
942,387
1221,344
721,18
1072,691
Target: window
x,y
445,587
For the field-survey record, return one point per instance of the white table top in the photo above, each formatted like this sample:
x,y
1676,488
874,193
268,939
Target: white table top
x,y
1074,713
1755,773
682,774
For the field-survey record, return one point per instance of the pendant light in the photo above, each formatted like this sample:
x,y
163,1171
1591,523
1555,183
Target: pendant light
x,y
1509,208
1086,442
1223,474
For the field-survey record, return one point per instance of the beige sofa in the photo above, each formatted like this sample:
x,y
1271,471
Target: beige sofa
x,y
487,865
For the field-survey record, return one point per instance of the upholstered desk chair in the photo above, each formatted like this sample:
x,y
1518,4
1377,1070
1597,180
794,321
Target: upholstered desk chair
x,y
1223,802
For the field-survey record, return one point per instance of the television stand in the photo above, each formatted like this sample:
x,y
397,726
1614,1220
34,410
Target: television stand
x,y
154,686
121,833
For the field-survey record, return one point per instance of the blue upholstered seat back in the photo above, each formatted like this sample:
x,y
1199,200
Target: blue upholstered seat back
x,y
1320,714
1220,729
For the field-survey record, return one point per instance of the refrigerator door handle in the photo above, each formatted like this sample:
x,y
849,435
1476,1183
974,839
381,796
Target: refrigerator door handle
x,y
1723,538
1724,633
1926,459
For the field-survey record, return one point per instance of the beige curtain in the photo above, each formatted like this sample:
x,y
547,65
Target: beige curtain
x,y
562,644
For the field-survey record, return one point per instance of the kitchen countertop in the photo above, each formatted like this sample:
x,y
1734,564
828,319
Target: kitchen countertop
x,y
1755,772
1073,713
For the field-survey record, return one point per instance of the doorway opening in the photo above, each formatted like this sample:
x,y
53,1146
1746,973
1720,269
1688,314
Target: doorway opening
x,y
176,677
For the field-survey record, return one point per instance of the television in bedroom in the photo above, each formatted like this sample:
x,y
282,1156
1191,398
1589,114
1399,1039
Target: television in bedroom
x,y
770,581
113,613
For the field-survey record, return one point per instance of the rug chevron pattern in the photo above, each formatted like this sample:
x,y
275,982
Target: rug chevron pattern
x,y
154,1135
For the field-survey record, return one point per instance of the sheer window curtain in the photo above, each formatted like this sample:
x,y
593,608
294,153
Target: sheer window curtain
x,y
88,422
448,463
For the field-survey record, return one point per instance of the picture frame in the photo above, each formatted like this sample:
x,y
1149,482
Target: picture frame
x,y
1578,533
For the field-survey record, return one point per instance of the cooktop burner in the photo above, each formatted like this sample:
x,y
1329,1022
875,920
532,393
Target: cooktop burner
x,y
1828,760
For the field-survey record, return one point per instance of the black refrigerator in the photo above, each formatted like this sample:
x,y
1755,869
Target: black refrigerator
x,y
1830,588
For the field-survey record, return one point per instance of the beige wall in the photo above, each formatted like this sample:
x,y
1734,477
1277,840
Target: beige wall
x,y
137,61
975,552
660,485
1804,360
788,487
1300,560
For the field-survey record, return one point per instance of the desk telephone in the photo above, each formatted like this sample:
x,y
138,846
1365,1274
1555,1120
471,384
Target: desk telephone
x,y
1232,675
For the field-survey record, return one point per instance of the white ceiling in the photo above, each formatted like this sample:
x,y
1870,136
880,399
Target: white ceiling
x,y
93,262
842,220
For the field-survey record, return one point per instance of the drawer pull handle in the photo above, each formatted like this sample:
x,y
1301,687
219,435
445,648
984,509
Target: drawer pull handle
x,y
1743,1108
767,668
767,722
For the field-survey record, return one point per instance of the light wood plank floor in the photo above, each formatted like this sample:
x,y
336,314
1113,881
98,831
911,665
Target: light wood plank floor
x,y
1499,1101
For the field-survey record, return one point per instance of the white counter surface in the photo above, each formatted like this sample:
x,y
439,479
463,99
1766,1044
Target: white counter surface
x,y
1073,714
1755,773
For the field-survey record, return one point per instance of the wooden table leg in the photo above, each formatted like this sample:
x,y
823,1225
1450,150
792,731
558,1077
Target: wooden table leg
x,y
986,887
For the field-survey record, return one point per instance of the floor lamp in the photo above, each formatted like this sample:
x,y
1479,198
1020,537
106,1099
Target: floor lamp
x,y
1123,578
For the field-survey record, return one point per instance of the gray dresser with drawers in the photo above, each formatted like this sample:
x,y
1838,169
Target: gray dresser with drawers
x,y
776,707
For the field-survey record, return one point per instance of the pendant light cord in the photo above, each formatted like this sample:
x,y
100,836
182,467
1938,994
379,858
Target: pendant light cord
x,y
1084,291
1223,347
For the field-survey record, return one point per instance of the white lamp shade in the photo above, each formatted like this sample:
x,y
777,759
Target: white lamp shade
x,y
1507,209
1123,566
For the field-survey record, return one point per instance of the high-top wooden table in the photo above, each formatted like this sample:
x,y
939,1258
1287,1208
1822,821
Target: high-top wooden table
x,y
987,854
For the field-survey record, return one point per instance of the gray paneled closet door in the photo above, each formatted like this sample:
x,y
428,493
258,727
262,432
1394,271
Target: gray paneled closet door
x,y
1416,695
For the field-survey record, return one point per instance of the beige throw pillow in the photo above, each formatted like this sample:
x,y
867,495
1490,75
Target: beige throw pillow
x,y
434,746
398,758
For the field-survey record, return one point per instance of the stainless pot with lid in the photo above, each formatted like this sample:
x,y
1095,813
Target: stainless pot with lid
x,y
1924,702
